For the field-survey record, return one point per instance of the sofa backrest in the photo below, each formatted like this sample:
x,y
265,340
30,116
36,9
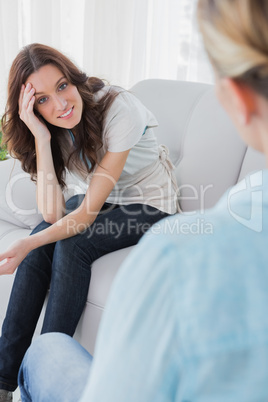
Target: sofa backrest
x,y
204,146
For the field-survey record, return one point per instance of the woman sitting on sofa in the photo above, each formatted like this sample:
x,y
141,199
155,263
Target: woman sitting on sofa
x,y
56,118
199,329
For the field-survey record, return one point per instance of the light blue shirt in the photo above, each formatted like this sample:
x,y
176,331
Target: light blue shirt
x,y
187,316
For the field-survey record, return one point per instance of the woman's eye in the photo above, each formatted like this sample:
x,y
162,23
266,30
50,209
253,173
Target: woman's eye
x,y
41,101
63,86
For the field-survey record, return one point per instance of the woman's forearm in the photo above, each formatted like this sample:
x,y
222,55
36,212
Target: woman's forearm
x,y
68,226
49,195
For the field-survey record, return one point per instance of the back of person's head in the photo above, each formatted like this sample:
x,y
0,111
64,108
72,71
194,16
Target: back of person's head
x,y
235,34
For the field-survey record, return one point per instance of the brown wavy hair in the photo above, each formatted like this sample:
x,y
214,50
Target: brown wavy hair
x,y
17,136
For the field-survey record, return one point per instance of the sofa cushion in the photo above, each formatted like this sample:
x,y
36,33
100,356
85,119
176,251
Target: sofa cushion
x,y
103,271
211,156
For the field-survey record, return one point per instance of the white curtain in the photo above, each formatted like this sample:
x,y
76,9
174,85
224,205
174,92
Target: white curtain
x,y
122,41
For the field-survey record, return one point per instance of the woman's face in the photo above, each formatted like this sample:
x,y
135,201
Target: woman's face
x,y
56,99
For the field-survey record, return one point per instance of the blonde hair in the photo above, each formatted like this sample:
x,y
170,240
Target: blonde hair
x,y
235,34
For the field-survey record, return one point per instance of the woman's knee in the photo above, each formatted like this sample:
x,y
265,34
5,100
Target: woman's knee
x,y
45,355
42,350
74,202
76,250
60,355
41,226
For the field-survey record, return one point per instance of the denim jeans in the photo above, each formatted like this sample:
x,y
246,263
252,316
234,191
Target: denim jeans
x,y
64,268
56,368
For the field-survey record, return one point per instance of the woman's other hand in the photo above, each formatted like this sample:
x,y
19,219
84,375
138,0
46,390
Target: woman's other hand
x,y
28,115
10,259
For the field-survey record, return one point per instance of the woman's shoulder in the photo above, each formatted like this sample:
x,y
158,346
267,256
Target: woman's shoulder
x,y
121,95
113,89
126,107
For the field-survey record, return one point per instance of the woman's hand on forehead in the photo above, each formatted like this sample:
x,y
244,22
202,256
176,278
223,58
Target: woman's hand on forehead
x,y
29,115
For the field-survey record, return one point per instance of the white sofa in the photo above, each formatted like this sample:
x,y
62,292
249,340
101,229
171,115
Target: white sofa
x,y
205,148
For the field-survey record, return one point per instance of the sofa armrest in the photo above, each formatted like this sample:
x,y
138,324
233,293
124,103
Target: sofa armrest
x,y
10,233
17,196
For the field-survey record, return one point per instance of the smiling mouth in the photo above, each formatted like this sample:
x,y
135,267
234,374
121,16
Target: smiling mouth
x,y
66,114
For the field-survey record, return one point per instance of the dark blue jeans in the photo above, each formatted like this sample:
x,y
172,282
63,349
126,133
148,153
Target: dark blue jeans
x,y
64,268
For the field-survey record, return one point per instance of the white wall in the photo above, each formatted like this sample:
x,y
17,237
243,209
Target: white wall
x,y
123,41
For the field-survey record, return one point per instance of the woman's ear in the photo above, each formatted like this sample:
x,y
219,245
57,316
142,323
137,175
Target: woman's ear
x,y
241,98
